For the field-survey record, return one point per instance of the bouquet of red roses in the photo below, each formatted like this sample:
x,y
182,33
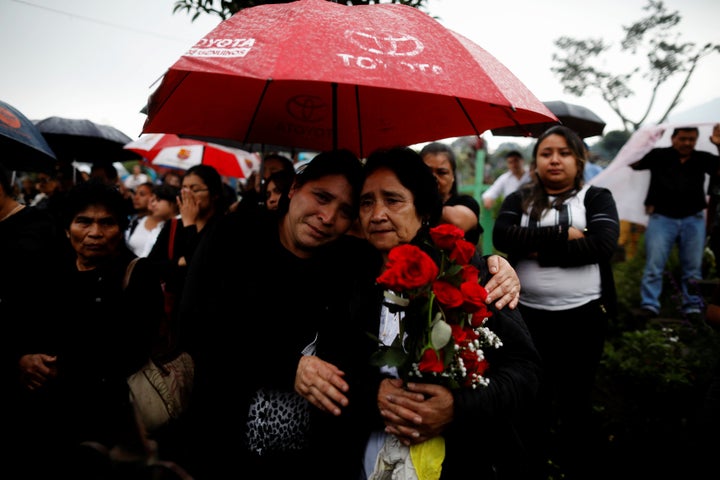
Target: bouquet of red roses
x,y
442,332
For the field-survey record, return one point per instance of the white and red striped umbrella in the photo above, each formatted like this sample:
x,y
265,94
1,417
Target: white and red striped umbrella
x,y
170,150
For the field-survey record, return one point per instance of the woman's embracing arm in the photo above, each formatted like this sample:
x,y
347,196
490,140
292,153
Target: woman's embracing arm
x,y
503,284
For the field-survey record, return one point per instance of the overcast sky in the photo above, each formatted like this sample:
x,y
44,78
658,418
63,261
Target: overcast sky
x,y
100,59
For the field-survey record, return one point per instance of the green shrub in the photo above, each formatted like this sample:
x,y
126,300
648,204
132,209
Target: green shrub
x,y
654,373
661,357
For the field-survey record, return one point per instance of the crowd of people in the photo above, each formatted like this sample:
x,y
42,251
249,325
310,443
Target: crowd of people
x,y
275,296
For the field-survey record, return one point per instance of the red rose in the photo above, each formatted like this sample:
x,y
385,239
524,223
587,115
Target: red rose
x,y
447,294
474,296
459,333
408,267
463,252
463,336
482,367
479,368
445,235
458,304
470,359
470,273
478,317
471,334
473,365
430,362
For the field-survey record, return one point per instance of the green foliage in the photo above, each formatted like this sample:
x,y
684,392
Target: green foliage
x,y
627,275
466,150
661,358
609,145
580,64
654,373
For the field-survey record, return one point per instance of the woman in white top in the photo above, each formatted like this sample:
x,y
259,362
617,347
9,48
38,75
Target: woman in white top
x,y
163,206
560,234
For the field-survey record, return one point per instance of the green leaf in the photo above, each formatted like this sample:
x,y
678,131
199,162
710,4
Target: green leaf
x,y
441,332
395,299
388,356
453,270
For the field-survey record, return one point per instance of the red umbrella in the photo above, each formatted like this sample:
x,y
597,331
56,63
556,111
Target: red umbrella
x,y
321,75
169,150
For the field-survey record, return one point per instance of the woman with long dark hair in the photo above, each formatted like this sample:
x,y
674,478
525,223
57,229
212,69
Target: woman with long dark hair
x,y
560,235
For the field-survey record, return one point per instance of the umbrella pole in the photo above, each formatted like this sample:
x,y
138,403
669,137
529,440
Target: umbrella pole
x,y
257,109
359,123
334,115
472,124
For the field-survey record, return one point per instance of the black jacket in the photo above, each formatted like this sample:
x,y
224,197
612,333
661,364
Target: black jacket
x,y
486,433
249,308
552,245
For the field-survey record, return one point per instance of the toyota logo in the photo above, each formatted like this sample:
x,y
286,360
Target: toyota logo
x,y
306,108
386,43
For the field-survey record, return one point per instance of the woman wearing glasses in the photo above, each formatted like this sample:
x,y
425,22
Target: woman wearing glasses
x,y
201,201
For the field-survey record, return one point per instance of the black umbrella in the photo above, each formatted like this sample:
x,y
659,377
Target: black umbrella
x,y
79,140
23,146
581,119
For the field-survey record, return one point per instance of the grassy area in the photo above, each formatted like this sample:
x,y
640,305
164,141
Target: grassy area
x,y
653,379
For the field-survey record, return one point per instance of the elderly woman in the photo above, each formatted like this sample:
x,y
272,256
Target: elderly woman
x,y
107,316
399,202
